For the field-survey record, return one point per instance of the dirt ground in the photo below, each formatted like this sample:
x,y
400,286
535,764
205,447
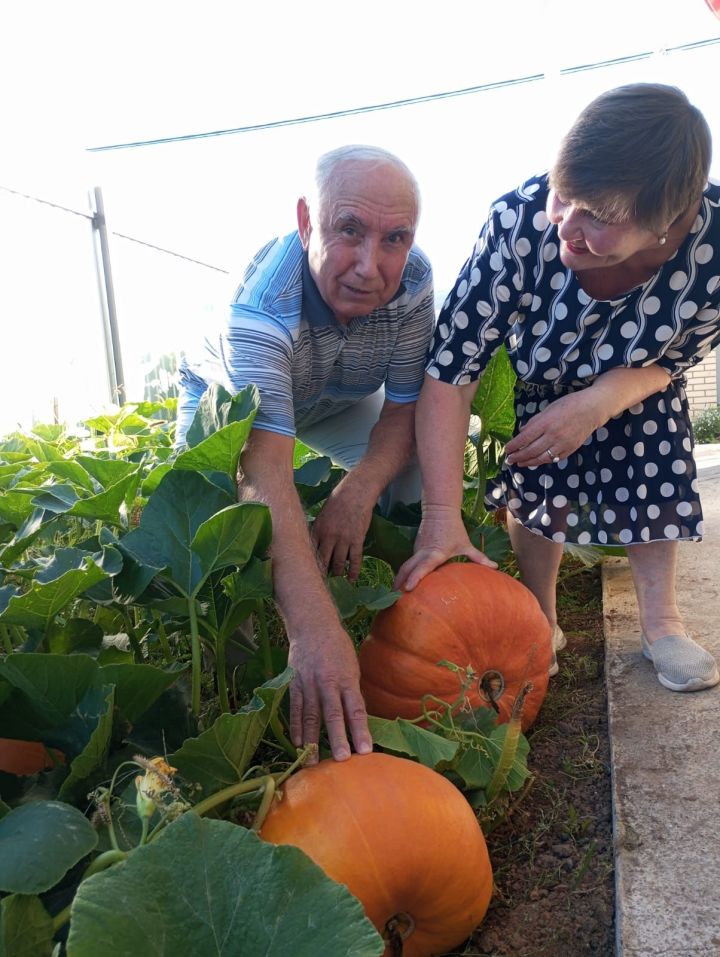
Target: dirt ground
x,y
552,853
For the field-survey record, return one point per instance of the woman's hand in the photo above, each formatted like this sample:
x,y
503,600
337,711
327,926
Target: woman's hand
x,y
562,427
558,431
441,536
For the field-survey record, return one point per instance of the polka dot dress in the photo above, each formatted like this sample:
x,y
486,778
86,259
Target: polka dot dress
x,y
634,479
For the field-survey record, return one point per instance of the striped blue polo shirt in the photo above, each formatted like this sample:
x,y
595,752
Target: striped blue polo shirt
x,y
280,334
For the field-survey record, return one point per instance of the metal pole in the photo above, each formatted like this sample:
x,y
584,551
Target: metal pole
x,y
107,296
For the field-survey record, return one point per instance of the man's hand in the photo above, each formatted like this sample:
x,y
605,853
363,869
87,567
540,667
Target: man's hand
x,y
326,687
340,528
327,676
441,536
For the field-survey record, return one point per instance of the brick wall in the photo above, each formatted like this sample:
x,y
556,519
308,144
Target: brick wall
x,y
702,385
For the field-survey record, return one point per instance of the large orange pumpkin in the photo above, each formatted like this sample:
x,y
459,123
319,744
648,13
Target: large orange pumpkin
x,y
469,615
27,757
401,837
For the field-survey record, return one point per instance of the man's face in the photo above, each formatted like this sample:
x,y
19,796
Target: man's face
x,y
359,238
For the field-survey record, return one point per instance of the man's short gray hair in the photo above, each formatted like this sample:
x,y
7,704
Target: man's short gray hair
x,y
328,163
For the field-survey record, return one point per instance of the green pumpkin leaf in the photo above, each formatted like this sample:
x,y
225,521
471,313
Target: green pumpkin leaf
x,y
221,755
36,522
388,541
39,605
15,507
169,523
166,724
56,498
154,477
350,598
73,471
375,598
266,901
474,766
494,401
48,689
315,479
61,701
108,559
493,540
76,635
94,715
254,582
106,505
26,928
43,451
39,843
232,536
404,737
6,593
106,472
138,686
219,430
49,432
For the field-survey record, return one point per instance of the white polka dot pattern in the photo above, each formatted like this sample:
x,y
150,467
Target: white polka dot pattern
x,y
634,479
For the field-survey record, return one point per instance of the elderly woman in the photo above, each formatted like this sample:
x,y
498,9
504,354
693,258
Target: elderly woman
x,y
602,278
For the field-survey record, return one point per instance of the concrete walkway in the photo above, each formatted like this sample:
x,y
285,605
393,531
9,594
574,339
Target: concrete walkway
x,y
665,752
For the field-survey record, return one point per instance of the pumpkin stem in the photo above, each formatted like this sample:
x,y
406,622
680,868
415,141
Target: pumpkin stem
x,y
397,930
492,685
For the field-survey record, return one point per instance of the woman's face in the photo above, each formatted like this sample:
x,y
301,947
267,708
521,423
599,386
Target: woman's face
x,y
589,243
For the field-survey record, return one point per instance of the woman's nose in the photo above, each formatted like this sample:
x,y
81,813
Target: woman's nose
x,y
568,221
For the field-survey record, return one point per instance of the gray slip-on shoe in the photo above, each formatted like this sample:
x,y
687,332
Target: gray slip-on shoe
x,y
681,663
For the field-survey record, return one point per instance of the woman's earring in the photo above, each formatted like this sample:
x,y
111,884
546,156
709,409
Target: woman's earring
x,y
662,240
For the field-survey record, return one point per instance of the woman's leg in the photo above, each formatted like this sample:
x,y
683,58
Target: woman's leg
x,y
681,664
538,559
653,567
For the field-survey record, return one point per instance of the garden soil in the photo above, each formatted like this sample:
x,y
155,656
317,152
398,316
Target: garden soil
x,y
552,851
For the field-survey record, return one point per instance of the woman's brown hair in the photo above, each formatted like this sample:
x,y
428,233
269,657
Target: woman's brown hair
x,y
639,152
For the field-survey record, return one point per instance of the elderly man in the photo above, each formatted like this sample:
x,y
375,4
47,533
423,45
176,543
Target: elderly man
x,y
332,324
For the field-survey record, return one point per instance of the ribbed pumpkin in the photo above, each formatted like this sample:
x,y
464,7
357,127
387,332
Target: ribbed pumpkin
x,y
469,615
401,837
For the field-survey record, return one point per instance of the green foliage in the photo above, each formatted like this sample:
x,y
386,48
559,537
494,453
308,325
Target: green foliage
x,y
222,755
467,745
125,570
64,835
493,409
219,430
26,929
706,425
158,900
493,402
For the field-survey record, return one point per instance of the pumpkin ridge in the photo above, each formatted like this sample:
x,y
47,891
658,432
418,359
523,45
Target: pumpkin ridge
x,y
423,829
350,807
466,614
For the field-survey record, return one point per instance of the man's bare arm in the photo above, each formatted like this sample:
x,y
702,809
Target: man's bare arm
x,y
326,683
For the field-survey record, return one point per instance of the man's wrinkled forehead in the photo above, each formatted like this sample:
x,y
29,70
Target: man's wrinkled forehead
x,y
340,216
381,185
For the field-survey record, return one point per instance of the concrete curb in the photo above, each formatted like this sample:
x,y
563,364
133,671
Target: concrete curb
x,y
665,758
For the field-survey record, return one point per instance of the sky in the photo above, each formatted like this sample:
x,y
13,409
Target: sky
x,y
83,75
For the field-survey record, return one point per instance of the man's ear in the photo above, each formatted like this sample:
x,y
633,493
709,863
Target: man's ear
x,y
303,219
